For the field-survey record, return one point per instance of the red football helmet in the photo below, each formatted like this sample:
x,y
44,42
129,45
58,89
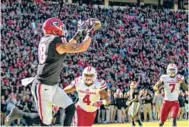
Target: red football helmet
x,y
53,26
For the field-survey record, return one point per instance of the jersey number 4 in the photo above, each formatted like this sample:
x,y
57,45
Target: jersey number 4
x,y
172,86
86,99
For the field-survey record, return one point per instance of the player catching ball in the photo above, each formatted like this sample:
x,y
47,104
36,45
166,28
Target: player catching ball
x,y
52,50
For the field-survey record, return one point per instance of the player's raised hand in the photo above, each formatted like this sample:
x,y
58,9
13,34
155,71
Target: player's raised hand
x,y
93,24
82,29
81,25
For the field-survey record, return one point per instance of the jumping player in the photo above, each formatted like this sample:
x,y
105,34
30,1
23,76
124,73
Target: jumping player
x,y
171,83
133,104
92,95
52,50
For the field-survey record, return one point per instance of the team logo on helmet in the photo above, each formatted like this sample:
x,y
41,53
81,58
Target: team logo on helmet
x,y
54,23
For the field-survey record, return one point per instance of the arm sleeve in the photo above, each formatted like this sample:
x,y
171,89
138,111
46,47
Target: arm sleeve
x,y
57,40
103,85
161,78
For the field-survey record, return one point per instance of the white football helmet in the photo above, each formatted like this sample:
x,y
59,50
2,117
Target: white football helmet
x,y
172,69
89,75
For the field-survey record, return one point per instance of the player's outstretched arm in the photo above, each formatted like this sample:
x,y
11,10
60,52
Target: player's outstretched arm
x,y
69,89
184,85
74,47
158,85
105,99
104,95
180,79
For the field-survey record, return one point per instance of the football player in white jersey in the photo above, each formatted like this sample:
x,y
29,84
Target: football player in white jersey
x,y
171,83
91,94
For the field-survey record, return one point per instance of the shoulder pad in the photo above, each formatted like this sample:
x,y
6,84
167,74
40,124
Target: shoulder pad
x,y
103,85
76,81
163,77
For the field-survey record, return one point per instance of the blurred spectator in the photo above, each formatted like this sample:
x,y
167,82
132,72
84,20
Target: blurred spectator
x,y
11,102
147,105
133,42
121,103
157,102
110,108
186,105
101,114
3,109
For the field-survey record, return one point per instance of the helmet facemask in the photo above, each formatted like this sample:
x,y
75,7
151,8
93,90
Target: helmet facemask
x,y
88,78
89,75
62,28
172,70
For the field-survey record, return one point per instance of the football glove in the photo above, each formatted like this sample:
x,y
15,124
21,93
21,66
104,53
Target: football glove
x,y
98,103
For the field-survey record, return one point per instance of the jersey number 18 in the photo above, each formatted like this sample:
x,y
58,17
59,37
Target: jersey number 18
x,y
41,52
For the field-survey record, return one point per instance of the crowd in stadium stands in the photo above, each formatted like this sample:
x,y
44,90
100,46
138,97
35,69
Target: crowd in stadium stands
x,y
133,44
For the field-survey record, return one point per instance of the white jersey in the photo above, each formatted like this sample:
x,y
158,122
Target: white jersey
x,y
171,87
88,95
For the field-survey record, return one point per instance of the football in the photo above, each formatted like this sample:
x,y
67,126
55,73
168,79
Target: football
x,y
96,22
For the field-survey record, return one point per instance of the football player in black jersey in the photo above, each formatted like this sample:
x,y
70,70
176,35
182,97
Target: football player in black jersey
x,y
51,53
133,104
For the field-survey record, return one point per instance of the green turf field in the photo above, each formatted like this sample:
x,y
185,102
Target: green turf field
x,y
145,124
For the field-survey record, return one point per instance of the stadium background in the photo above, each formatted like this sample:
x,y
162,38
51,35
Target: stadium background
x,y
136,41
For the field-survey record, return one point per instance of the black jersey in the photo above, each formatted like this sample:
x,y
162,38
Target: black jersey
x,y
50,61
132,94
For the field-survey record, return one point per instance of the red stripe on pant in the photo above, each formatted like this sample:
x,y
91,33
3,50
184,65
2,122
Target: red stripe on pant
x,y
39,101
